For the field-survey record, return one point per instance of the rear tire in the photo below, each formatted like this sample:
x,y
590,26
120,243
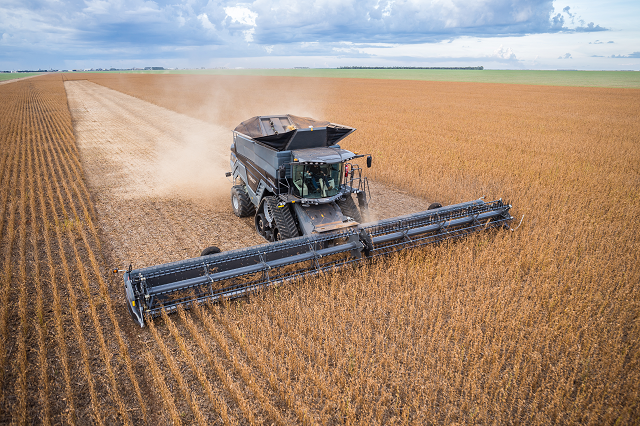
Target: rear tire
x,y
240,202
285,226
349,208
210,250
434,206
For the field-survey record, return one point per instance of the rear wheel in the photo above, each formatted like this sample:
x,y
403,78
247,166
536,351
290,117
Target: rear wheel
x,y
349,208
285,226
240,202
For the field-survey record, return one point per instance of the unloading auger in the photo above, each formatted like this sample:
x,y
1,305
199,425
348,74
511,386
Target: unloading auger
x,y
297,182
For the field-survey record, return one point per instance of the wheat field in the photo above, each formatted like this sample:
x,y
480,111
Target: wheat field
x,y
535,326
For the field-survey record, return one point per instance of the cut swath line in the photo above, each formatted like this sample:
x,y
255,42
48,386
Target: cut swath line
x,y
106,297
39,321
57,305
242,369
177,375
80,267
215,400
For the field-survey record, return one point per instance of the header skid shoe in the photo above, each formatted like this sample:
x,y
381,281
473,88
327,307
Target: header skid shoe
x,y
236,273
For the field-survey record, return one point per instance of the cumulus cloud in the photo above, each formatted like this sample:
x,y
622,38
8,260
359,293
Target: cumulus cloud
x,y
241,18
590,28
253,28
631,55
557,22
206,24
566,56
504,53
567,10
242,15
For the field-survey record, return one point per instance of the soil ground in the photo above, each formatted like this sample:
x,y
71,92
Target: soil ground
x,y
157,178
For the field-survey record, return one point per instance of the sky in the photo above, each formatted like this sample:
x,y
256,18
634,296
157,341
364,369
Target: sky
x,y
497,34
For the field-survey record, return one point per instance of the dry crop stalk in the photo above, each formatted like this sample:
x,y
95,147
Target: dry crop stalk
x,y
87,290
72,296
299,342
20,415
84,201
89,212
39,321
295,364
278,382
242,369
57,305
173,367
215,400
167,397
105,296
6,279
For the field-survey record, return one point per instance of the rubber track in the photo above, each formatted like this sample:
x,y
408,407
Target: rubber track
x,y
283,218
348,208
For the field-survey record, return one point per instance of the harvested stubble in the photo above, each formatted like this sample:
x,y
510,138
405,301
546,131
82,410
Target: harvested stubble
x,y
536,326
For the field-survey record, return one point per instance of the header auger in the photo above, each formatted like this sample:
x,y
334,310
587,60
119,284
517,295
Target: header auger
x,y
293,177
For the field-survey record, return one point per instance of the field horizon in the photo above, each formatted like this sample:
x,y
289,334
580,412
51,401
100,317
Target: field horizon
x,y
573,78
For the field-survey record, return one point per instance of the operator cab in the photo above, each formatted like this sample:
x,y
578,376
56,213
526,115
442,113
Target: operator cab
x,y
316,180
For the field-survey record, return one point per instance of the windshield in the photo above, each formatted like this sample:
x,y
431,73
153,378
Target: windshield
x,y
316,180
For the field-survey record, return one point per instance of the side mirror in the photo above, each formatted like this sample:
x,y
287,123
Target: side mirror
x,y
368,161
283,172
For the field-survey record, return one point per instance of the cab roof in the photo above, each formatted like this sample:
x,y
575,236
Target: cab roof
x,y
322,155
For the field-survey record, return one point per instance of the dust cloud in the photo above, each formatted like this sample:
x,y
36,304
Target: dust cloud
x,y
133,149
157,177
194,167
186,144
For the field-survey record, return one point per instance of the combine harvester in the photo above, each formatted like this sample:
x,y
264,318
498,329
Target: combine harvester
x,y
292,176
